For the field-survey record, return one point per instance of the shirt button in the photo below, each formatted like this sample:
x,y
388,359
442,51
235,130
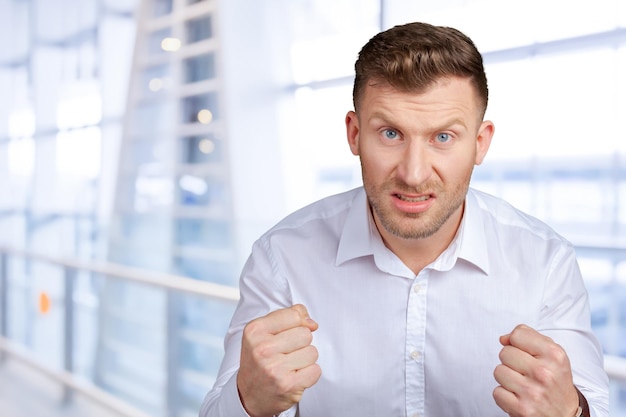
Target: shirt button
x,y
416,288
415,355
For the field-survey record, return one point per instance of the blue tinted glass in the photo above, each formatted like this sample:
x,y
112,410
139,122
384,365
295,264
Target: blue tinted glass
x,y
161,7
199,68
199,191
155,39
155,78
201,149
207,233
199,29
192,105
217,271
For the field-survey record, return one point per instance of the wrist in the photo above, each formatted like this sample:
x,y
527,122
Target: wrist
x,y
583,406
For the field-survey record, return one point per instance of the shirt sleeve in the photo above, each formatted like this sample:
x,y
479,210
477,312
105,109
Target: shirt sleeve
x,y
262,289
566,318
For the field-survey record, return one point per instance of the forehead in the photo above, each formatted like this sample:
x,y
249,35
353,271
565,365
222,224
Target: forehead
x,y
447,96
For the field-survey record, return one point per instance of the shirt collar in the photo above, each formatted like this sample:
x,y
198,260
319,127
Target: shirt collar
x,y
471,237
358,239
469,243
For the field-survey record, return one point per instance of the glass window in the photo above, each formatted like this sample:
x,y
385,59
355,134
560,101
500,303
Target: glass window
x,y
200,109
199,191
201,149
199,29
199,68
211,270
161,7
200,357
206,233
156,79
155,41
210,317
621,205
142,151
78,152
152,117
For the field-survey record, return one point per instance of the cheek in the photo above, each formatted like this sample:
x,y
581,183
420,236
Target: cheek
x,y
378,167
458,168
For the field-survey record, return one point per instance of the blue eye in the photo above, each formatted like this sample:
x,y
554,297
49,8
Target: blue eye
x,y
390,134
443,137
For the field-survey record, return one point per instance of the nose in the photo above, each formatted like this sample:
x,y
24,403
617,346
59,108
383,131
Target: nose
x,y
415,166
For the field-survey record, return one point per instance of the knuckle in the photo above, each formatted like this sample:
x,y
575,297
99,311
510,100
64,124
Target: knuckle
x,y
275,374
518,333
526,409
263,351
559,355
283,385
544,376
253,327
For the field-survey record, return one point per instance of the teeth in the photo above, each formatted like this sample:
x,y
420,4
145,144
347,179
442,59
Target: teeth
x,y
413,200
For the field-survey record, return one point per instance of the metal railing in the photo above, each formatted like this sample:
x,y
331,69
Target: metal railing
x,y
66,376
615,366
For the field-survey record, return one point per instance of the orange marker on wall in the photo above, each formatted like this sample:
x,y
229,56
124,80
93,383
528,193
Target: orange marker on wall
x,y
44,303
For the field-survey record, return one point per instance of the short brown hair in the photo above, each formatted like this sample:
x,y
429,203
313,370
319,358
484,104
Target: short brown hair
x,y
413,56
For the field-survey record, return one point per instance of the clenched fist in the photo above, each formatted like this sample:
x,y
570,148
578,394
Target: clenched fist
x,y
278,361
535,376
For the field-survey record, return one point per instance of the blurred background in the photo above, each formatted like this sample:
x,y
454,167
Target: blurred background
x,y
145,144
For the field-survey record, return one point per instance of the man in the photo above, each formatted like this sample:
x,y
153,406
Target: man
x,y
414,295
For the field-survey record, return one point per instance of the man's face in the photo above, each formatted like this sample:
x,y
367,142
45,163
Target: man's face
x,y
417,154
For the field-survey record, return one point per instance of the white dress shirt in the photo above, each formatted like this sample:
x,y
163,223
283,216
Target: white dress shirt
x,y
395,344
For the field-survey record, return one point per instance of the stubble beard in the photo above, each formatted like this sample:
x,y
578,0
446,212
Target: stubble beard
x,y
414,225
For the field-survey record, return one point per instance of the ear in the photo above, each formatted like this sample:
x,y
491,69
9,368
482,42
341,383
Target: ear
x,y
483,140
352,131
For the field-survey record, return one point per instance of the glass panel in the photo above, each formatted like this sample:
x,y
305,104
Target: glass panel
x,y
86,322
156,79
324,44
201,149
199,68
200,357
198,191
617,398
212,234
208,317
199,29
192,392
202,108
161,7
221,272
153,117
155,40
143,151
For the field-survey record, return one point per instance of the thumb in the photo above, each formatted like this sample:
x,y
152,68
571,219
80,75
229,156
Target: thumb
x,y
307,321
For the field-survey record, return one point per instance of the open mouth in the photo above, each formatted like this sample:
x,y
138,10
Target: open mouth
x,y
412,199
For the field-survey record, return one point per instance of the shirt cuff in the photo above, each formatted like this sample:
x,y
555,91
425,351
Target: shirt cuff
x,y
231,403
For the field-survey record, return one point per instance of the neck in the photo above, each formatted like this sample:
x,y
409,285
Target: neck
x,y
418,253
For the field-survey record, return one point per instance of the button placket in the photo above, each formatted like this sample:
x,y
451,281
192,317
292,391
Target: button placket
x,y
415,344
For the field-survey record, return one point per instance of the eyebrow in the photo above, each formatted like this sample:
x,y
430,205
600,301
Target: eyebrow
x,y
454,121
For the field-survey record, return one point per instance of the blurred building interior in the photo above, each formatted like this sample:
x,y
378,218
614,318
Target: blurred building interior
x,y
145,144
